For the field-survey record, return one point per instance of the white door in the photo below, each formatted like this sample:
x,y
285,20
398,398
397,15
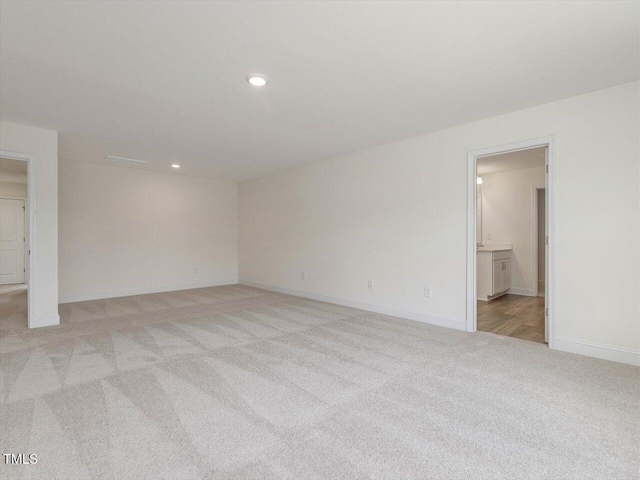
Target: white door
x,y
12,241
546,245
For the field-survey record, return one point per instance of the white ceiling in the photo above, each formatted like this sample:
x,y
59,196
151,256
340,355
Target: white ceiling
x,y
164,81
518,160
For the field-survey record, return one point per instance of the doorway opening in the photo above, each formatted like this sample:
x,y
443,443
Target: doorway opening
x,y
15,236
509,253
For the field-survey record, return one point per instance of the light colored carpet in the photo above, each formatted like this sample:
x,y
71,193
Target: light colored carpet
x,y
239,383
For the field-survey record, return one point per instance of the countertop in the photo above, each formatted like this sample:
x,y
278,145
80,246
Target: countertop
x,y
495,247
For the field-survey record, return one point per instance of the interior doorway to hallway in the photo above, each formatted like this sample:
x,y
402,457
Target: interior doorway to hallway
x,y
14,250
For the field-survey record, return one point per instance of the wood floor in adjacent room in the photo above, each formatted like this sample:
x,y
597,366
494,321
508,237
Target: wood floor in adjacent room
x,y
515,316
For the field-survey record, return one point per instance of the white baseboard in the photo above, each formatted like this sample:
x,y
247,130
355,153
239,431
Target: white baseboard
x,y
433,319
521,291
606,352
48,321
142,291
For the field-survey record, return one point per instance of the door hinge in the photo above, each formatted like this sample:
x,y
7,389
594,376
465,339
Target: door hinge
x,y
24,270
23,209
546,240
546,312
546,168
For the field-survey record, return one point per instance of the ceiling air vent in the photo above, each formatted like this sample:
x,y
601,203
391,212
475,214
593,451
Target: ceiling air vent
x,y
124,161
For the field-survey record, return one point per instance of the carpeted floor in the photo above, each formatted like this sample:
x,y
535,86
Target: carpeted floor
x,y
239,383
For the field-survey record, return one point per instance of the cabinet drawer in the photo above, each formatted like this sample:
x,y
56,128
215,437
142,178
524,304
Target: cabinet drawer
x,y
502,255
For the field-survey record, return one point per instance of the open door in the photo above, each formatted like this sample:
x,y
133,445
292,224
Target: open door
x,y
546,245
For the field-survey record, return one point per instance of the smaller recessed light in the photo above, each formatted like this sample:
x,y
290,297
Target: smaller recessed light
x,y
479,180
257,80
175,165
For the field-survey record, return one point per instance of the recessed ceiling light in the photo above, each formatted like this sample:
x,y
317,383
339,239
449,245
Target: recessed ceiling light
x,y
175,165
257,80
479,180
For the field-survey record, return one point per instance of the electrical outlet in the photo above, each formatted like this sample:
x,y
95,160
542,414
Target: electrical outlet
x,y
370,284
427,292
489,236
302,276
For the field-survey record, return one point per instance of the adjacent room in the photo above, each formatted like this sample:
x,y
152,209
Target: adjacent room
x,y
13,244
511,242
319,240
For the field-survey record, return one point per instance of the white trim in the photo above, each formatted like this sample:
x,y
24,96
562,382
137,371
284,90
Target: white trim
x,y
550,218
83,297
431,318
50,321
597,350
472,156
32,322
527,292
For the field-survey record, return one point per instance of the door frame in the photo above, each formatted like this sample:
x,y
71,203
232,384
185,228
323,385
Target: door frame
x,y
30,277
472,157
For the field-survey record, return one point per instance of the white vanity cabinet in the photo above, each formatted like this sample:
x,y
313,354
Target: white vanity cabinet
x,y
494,272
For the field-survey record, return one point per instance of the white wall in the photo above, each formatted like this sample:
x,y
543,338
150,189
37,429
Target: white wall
x,y
43,284
11,189
508,204
125,231
396,214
